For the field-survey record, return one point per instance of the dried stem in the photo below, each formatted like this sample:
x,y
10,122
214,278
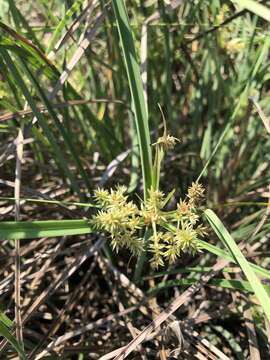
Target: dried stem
x,y
19,157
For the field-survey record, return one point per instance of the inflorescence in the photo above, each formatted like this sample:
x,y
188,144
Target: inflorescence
x,y
172,232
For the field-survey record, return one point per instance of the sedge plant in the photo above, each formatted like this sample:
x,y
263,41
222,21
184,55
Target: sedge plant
x,y
231,61
124,220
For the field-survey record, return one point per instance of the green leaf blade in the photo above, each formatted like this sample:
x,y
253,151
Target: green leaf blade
x,y
236,253
12,230
136,90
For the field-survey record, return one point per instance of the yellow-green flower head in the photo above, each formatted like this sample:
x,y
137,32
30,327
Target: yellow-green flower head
x,y
99,219
172,253
150,215
195,192
129,241
135,245
155,199
109,220
193,218
102,196
132,223
186,237
201,230
183,207
167,142
156,261
117,196
173,249
131,208
156,247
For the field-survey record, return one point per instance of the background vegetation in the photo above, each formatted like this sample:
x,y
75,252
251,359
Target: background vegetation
x,y
80,86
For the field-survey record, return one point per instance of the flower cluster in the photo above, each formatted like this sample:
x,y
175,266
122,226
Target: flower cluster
x,y
167,142
173,233
168,242
120,218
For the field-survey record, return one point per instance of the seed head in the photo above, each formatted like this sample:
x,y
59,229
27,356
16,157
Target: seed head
x,y
195,192
167,142
155,199
102,196
186,237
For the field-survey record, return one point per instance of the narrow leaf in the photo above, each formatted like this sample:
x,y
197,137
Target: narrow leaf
x,y
136,89
254,7
236,253
48,228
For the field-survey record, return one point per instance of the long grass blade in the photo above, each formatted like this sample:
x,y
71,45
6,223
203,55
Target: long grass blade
x,y
58,152
57,32
5,332
236,253
66,136
254,7
223,283
222,253
49,228
136,90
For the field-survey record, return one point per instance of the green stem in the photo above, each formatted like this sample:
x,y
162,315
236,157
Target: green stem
x,y
142,259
